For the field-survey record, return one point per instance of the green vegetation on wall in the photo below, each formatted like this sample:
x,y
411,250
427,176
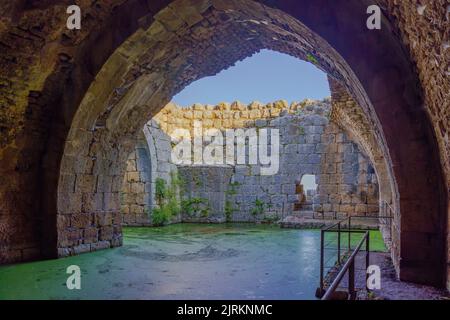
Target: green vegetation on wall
x,y
271,218
197,180
312,59
196,207
260,207
229,208
167,199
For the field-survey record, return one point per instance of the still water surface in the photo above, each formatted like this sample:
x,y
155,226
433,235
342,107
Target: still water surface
x,y
184,261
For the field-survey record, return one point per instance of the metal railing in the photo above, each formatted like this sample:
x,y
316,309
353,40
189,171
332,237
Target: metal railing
x,y
322,249
345,253
338,228
349,267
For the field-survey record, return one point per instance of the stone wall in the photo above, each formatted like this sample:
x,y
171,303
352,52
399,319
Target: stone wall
x,y
149,161
208,186
347,183
348,114
137,186
60,87
309,144
424,28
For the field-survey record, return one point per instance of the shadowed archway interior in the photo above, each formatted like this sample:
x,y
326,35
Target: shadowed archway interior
x,y
107,81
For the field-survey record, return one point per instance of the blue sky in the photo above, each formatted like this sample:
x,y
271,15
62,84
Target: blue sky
x,y
266,76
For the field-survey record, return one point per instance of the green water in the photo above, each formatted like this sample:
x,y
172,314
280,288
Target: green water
x,y
184,261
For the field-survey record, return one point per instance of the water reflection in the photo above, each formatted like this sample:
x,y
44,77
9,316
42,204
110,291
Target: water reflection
x,y
189,261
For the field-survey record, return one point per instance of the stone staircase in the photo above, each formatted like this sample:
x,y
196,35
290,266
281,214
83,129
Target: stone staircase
x,y
305,214
306,211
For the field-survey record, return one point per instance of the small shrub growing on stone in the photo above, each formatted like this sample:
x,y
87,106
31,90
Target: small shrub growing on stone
x,y
229,208
166,199
260,207
271,218
312,59
194,206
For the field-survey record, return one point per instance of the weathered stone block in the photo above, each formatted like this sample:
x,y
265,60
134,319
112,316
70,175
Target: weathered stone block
x,y
67,183
111,201
288,188
131,165
92,202
104,183
100,245
361,208
81,220
69,203
116,184
82,248
133,176
85,183
137,187
129,219
90,235
103,218
106,233
69,237
117,217
347,208
136,209
62,221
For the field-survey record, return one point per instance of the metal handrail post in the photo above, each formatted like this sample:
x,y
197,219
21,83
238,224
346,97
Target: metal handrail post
x,y
349,233
322,234
339,243
391,223
351,280
349,266
367,257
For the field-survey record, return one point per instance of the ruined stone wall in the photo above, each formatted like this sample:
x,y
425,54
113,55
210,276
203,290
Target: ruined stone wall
x,y
47,71
347,112
149,161
309,144
209,186
424,28
347,183
137,186
222,116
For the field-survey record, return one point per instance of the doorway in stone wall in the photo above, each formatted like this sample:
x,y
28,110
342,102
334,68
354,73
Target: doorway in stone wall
x,y
306,189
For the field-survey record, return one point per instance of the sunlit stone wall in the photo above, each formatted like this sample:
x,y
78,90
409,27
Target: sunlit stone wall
x,y
309,144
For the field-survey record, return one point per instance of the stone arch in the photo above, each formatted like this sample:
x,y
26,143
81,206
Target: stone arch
x,y
100,134
151,145
152,160
347,114
349,117
135,194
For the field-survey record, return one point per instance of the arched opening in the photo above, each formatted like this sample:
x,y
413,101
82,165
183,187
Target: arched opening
x,y
93,131
138,184
309,182
159,90
309,188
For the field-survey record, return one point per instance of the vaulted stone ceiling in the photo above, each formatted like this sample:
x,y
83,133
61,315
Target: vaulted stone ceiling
x,y
46,70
